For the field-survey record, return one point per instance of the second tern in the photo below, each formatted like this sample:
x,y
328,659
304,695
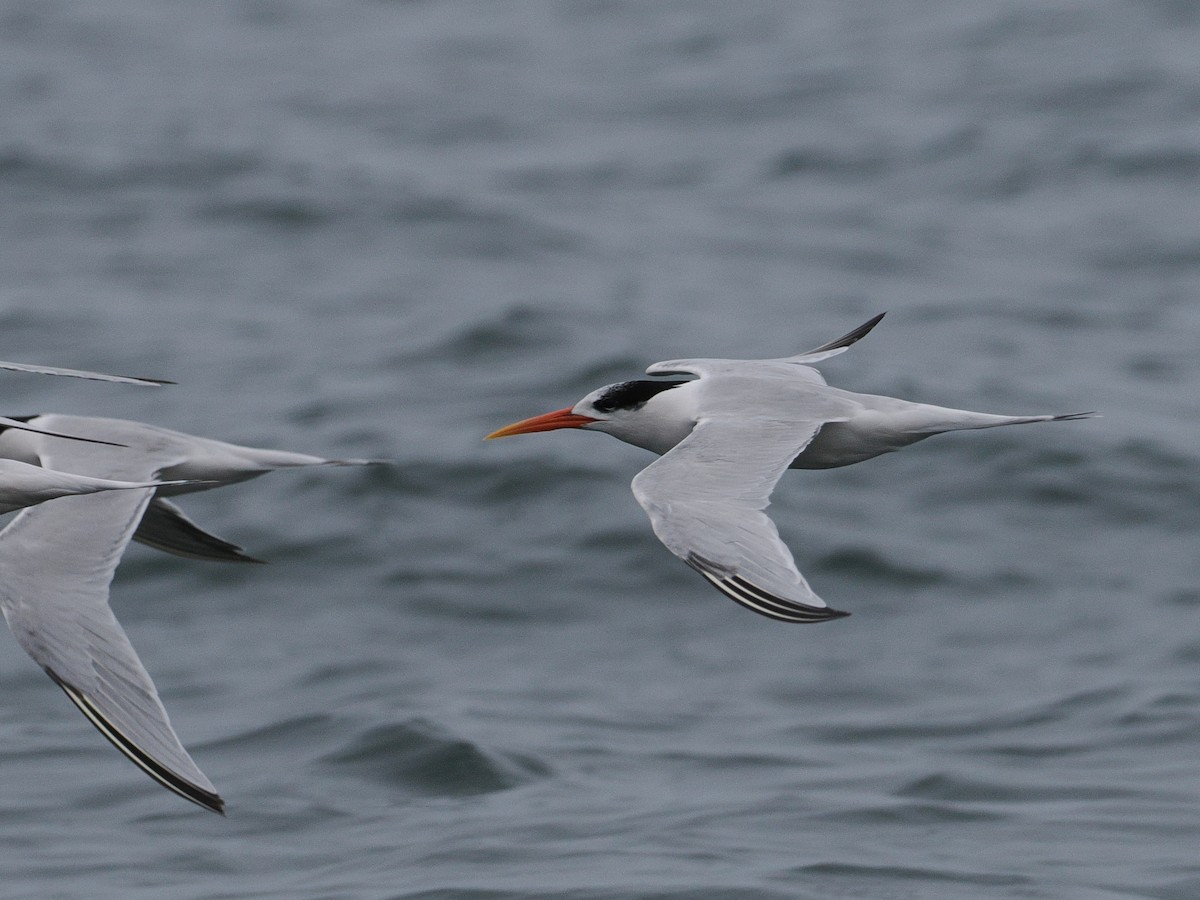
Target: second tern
x,y
727,435
57,562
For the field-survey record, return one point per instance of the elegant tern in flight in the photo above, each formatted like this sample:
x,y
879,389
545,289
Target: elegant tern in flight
x,y
201,463
56,565
727,435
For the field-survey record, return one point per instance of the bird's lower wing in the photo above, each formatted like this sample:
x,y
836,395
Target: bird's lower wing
x,y
706,500
57,561
165,527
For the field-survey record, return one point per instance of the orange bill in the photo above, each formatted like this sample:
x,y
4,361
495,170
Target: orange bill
x,y
560,418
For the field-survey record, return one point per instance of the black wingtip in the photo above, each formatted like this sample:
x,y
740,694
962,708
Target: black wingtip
x,y
144,761
756,599
850,337
152,381
139,379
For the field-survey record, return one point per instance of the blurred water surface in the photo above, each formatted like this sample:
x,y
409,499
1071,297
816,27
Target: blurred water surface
x,y
387,228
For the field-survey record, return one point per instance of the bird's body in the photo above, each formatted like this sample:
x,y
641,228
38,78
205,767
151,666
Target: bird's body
x,y
205,462
853,427
198,463
726,436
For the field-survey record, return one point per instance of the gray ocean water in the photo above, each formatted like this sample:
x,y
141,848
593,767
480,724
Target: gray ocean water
x,y
388,228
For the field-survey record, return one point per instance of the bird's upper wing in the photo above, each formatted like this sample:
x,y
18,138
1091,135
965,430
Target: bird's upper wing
x,y
798,366
706,499
837,345
57,562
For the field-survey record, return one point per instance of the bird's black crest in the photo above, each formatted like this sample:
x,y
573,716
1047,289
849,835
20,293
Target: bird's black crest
x,y
631,394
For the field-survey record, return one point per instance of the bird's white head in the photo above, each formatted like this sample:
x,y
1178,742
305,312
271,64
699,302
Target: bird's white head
x,y
633,411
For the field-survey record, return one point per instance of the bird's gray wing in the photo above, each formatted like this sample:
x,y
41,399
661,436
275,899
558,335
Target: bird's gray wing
x,y
165,527
795,367
706,499
57,562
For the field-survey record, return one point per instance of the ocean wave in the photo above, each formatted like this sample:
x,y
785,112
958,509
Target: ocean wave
x,y
26,167
886,876
421,757
868,564
947,787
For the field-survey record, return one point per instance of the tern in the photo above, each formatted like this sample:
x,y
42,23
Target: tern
x,y
725,438
199,463
57,563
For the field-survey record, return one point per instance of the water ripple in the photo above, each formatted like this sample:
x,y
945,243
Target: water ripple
x,y
423,758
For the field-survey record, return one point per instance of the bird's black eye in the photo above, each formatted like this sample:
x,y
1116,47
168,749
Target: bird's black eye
x,y
631,394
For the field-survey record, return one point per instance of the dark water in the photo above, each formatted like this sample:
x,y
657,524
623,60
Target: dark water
x,y
387,228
